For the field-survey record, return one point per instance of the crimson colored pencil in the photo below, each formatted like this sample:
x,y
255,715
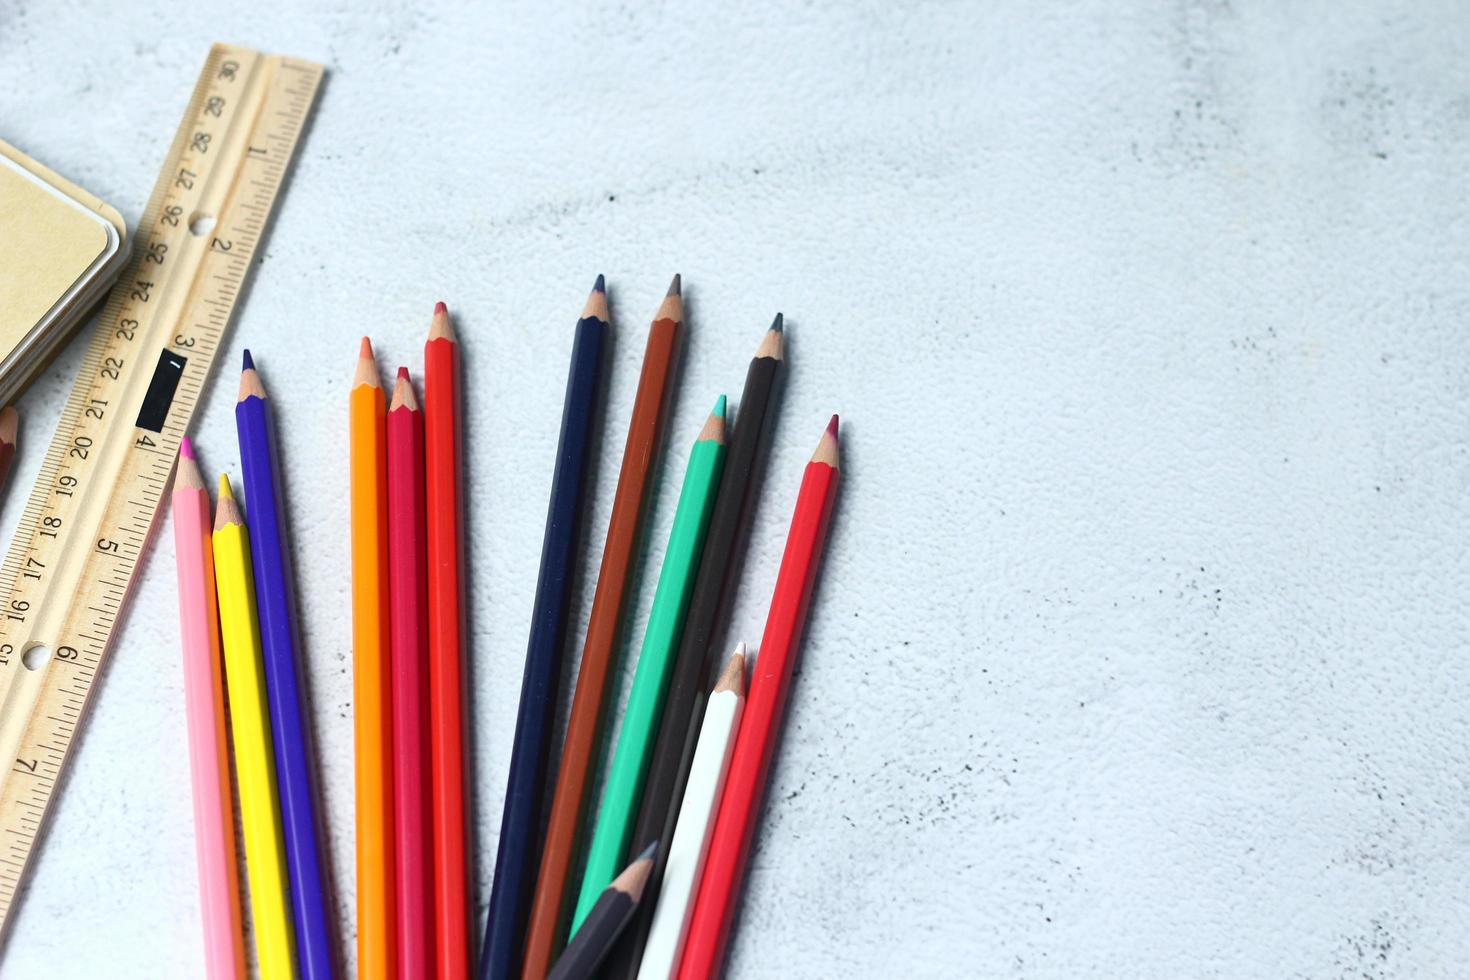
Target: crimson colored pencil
x,y
760,727
446,649
408,651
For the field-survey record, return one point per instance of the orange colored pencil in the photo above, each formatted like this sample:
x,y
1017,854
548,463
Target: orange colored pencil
x,y
446,650
372,711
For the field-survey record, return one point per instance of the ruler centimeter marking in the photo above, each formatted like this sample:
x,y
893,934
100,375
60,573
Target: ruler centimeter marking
x,y
72,562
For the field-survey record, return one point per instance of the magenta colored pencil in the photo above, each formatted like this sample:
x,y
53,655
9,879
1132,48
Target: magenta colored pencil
x,y
408,641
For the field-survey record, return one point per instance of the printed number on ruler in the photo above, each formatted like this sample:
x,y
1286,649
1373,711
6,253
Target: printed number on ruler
x,y
91,511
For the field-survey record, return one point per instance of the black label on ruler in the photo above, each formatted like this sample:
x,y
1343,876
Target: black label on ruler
x,y
161,390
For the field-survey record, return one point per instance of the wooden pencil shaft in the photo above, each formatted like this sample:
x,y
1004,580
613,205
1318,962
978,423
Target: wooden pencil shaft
x,y
447,691
372,711
408,633
608,849
669,919
9,433
214,824
521,829
255,766
7,463
590,946
285,685
719,569
585,724
755,745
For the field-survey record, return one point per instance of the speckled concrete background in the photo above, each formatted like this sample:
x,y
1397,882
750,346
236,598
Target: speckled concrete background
x,y
1140,650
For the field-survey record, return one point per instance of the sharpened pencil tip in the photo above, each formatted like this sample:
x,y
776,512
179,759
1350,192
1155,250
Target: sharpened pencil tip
x,y
676,288
250,383
226,510
732,678
403,393
773,341
713,429
596,307
249,362
828,450
634,878
439,326
366,372
186,448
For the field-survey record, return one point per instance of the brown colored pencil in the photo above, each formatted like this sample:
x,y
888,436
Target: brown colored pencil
x,y
584,727
9,427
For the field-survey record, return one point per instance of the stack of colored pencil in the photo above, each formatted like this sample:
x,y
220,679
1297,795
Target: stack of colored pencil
x,y
644,885
413,861
240,634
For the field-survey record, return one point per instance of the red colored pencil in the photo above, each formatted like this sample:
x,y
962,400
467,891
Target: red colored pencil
x,y
755,745
408,643
446,649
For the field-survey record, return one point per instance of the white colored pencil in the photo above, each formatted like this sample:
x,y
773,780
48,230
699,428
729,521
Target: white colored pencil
x,y
696,822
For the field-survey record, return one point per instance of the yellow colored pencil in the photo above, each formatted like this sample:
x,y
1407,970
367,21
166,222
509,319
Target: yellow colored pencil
x,y
255,768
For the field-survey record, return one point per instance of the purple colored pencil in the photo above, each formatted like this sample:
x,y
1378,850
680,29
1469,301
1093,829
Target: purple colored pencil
x,y
285,689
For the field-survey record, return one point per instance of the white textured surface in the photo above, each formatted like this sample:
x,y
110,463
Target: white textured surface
x,y
1141,648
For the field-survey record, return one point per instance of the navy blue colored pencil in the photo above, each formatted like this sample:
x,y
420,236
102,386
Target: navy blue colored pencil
x,y
521,824
285,690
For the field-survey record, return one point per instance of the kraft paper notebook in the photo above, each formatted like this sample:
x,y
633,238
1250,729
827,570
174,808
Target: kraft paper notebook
x,y
60,248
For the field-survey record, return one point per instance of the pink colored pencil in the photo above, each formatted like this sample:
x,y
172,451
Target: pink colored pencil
x,y
408,640
204,702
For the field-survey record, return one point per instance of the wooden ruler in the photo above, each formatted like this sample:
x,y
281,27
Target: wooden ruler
x,y
71,566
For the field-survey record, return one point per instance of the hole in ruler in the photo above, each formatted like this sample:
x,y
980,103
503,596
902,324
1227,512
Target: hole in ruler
x,y
35,657
201,224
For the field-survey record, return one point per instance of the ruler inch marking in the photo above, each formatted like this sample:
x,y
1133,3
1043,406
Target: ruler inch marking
x,y
100,488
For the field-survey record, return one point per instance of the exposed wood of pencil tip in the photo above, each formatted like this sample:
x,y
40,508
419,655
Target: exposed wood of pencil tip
x,y
367,367
226,511
441,327
188,476
403,396
635,876
773,344
596,307
714,426
9,424
827,446
672,307
250,385
732,678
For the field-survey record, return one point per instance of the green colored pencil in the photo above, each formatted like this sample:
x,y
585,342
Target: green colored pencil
x,y
607,853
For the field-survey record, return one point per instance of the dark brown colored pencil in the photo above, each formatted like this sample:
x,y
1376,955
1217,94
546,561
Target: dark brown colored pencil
x,y
9,427
607,920
699,647
584,728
